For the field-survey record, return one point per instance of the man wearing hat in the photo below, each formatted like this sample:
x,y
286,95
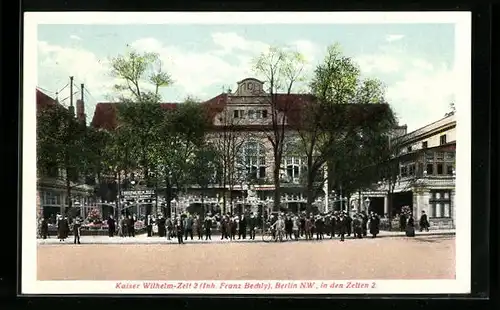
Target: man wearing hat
x,y
207,224
76,229
252,223
342,225
424,223
161,226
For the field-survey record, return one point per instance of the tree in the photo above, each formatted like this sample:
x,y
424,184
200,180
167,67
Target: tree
x,y
141,77
62,147
204,167
178,137
227,141
282,70
345,110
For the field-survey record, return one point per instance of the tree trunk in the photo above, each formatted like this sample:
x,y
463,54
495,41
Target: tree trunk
x,y
231,200
310,194
360,203
202,205
168,196
68,193
389,208
277,183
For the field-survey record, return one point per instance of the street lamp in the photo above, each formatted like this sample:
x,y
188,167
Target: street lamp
x,y
173,203
367,204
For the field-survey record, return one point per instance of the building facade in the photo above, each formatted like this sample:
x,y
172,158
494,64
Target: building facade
x,y
427,176
242,121
52,195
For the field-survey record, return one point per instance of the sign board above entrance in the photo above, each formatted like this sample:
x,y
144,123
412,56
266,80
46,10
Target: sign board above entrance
x,y
139,194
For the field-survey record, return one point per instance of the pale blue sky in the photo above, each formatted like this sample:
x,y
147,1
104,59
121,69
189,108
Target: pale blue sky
x,y
415,61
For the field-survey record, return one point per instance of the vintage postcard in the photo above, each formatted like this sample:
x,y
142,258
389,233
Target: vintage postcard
x,y
246,153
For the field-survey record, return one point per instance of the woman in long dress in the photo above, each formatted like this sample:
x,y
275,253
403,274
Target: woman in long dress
x,y
374,225
410,227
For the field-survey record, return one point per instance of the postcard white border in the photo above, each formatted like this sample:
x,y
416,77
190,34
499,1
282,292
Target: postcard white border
x,y
462,21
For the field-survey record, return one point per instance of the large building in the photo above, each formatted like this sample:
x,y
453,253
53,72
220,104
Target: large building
x,y
241,120
427,176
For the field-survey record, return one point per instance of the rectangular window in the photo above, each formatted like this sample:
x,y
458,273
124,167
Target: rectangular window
x,y
242,113
440,156
408,149
449,156
442,139
404,171
262,160
251,114
235,113
264,113
262,172
430,169
424,144
439,169
411,169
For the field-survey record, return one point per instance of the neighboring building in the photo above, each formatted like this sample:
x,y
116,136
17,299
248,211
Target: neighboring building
x,y
51,187
427,175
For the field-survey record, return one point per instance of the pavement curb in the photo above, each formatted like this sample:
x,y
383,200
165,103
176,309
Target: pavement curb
x,y
257,240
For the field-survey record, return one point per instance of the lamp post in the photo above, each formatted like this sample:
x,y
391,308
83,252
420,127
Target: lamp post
x,y
367,204
173,203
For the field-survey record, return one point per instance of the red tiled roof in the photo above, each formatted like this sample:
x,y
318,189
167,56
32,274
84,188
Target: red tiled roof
x,y
43,100
105,112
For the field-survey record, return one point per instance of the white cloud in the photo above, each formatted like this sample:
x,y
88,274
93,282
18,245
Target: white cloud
x,y
393,37
56,64
230,42
378,63
422,91
75,37
194,73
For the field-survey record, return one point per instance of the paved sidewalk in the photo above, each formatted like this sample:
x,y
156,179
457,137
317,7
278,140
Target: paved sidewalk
x,y
143,239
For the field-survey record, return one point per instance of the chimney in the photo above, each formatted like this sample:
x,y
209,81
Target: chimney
x,y
80,111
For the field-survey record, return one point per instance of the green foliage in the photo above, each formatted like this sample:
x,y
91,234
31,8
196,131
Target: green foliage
x,y
204,166
135,69
281,69
343,126
61,143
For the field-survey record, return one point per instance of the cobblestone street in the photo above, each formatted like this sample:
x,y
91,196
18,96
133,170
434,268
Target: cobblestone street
x,y
423,257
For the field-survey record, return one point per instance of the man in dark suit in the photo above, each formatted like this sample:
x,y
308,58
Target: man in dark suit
x,y
44,228
402,222
242,227
179,227
252,223
111,226
342,225
207,224
76,229
149,225
161,226
424,223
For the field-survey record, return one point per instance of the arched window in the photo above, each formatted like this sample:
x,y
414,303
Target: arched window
x,y
254,160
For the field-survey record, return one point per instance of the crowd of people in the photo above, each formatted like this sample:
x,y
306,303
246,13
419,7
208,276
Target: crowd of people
x,y
290,226
281,226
